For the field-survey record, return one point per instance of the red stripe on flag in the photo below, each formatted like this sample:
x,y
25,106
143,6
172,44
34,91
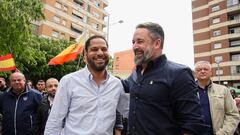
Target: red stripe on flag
x,y
8,69
8,56
65,58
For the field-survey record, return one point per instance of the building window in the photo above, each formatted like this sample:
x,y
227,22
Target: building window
x,y
78,3
56,19
77,16
62,36
65,8
215,8
234,30
54,34
85,19
235,43
216,33
219,72
234,16
218,58
235,70
76,30
95,26
217,45
58,5
72,39
64,22
216,20
232,2
235,57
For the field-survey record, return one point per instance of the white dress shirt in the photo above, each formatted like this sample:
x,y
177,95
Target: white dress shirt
x,y
89,109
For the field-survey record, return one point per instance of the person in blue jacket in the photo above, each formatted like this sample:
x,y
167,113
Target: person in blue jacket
x,y
19,107
163,94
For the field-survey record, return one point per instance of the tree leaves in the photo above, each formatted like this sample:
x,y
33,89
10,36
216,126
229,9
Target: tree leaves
x,y
31,53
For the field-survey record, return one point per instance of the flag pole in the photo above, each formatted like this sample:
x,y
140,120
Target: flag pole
x,y
78,41
79,61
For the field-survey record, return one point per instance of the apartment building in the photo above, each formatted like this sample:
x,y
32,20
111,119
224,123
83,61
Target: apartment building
x,y
68,19
216,32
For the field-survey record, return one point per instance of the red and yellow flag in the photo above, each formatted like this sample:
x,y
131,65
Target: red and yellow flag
x,y
7,63
69,53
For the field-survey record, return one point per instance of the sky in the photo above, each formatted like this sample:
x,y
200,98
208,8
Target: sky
x,y
174,16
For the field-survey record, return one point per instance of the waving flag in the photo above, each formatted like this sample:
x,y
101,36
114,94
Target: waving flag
x,y
70,53
7,63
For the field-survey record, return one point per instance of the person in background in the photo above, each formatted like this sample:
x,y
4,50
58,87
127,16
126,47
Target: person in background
x,y
163,93
30,84
3,85
41,87
217,104
19,107
45,106
88,99
3,88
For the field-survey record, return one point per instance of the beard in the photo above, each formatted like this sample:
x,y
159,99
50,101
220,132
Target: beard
x,y
144,58
51,95
96,67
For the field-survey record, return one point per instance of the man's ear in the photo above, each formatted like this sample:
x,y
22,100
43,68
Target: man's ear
x,y
157,44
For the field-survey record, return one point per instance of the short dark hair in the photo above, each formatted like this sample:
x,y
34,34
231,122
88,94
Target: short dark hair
x,y
155,30
41,81
87,43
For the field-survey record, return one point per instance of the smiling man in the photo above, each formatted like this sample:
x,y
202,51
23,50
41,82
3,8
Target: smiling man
x,y
88,99
163,93
19,107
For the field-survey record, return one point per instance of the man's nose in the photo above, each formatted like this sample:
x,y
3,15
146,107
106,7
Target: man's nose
x,y
99,52
135,45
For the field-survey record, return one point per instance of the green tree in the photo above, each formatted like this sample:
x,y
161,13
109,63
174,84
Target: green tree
x,y
15,29
15,19
46,49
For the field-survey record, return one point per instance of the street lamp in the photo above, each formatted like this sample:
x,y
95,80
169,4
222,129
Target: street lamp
x,y
218,67
108,25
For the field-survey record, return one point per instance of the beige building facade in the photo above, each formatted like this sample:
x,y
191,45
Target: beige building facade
x,y
68,19
216,32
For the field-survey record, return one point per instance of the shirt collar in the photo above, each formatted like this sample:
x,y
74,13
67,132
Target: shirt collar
x,y
159,61
206,87
90,76
50,99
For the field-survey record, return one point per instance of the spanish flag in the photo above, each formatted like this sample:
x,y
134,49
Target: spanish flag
x,y
7,63
70,53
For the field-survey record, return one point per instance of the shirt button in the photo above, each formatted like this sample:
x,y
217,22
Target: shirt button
x,y
136,98
134,112
139,84
133,127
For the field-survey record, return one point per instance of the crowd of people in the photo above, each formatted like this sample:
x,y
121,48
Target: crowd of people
x,y
160,97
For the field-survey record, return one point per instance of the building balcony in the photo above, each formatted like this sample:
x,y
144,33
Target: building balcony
x,y
232,8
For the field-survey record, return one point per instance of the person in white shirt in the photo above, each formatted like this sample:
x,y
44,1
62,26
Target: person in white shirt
x,y
88,99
